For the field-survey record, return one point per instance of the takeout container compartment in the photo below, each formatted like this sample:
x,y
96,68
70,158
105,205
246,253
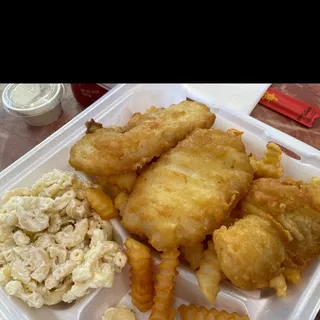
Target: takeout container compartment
x,y
115,108
41,112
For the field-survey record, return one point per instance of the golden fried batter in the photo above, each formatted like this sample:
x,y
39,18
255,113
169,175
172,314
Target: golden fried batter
x,y
274,197
251,251
296,206
304,225
278,234
183,196
124,181
106,152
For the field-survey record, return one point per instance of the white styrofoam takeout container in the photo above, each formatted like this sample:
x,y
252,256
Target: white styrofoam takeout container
x,y
115,108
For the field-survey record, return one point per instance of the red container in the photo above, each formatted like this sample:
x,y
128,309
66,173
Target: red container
x,y
87,93
291,107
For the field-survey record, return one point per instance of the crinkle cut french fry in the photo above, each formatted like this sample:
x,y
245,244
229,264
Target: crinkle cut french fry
x,y
280,284
142,286
110,190
209,274
163,300
270,165
101,203
193,254
121,200
192,312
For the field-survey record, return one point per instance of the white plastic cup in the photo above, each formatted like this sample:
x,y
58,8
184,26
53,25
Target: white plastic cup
x,y
40,110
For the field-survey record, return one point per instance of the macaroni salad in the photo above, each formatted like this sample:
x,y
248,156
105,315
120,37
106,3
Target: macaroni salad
x,y
53,246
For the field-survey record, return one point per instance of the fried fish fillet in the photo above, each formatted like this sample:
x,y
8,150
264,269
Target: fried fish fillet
x,y
183,196
278,234
294,204
304,225
106,151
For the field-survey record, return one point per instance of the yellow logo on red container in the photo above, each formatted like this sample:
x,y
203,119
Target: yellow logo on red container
x,y
269,97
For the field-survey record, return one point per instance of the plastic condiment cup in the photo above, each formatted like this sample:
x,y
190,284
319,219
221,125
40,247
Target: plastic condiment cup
x,y
37,104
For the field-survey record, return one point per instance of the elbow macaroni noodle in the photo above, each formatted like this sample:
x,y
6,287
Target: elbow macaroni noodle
x,y
20,238
119,313
53,246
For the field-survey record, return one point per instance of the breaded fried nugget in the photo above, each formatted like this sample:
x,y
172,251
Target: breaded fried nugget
x,y
278,234
183,196
107,152
251,251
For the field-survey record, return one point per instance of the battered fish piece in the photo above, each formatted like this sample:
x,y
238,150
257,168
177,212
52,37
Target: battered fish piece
x,y
277,236
294,204
304,225
251,251
106,152
183,196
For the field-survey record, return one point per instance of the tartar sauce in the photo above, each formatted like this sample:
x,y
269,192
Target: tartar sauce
x,y
25,95
38,104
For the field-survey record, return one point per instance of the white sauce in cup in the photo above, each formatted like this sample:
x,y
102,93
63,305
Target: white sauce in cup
x,y
38,104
